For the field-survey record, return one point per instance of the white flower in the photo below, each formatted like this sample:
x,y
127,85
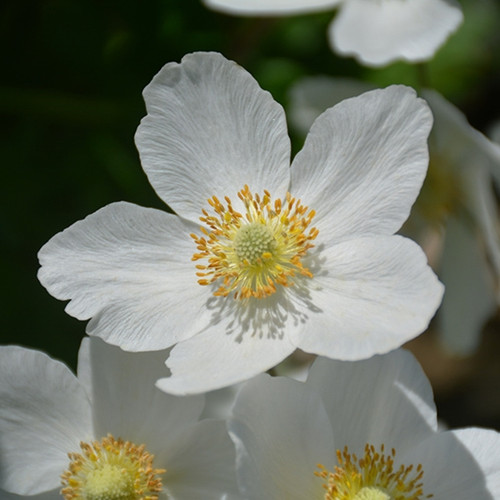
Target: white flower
x,y
364,429
458,196
470,263
142,438
273,275
376,32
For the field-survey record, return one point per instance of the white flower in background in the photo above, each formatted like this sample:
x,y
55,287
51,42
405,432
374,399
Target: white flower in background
x,y
376,32
108,434
363,430
467,166
285,257
457,196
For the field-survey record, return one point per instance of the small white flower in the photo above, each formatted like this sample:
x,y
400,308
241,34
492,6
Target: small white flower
x,y
357,430
458,196
376,32
264,274
125,438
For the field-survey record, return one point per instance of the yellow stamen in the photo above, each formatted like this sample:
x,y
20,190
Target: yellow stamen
x,y
250,254
111,469
372,477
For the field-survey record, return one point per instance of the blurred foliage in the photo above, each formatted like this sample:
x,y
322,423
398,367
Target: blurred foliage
x,y
70,101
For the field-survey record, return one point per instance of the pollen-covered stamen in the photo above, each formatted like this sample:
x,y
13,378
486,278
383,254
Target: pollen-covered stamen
x,y
251,254
111,469
372,477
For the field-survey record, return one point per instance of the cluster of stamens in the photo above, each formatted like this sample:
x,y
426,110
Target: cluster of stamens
x,y
251,254
372,477
111,469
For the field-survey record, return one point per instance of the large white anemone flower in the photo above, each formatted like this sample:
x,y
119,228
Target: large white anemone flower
x,y
363,430
457,201
376,32
108,434
285,257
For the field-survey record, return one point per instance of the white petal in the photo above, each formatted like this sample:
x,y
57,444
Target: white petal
x,y
51,495
461,464
129,269
494,132
383,400
281,432
223,354
218,403
473,157
483,204
210,130
484,446
310,97
372,295
363,163
456,140
200,463
469,298
269,7
380,32
121,385
44,413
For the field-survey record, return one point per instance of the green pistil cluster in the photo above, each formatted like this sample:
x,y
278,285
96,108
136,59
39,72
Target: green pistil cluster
x,y
253,243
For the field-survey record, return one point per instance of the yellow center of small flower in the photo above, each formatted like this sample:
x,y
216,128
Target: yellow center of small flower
x,y
250,254
372,477
111,469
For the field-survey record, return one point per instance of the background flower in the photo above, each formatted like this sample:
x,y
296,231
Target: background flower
x,y
470,262
45,412
375,32
283,428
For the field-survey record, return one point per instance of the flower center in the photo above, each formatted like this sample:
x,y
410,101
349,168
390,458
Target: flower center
x,y
371,493
251,254
372,477
442,194
254,242
111,469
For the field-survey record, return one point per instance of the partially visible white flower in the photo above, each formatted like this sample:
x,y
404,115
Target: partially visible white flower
x,y
357,430
376,32
285,258
470,263
457,195
125,438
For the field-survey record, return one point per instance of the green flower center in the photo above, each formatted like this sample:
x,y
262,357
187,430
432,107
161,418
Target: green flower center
x,y
254,243
442,192
110,482
111,469
371,493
